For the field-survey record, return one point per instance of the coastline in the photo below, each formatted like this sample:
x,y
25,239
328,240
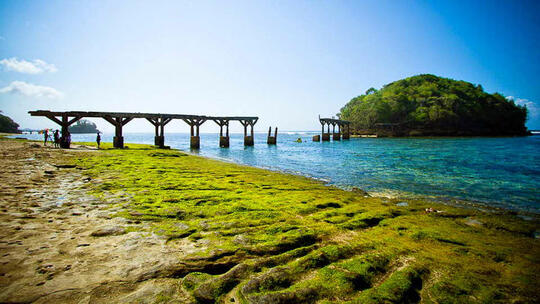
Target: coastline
x,y
509,198
206,230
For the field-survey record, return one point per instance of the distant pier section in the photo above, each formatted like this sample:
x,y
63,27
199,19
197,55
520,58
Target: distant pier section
x,y
343,129
120,119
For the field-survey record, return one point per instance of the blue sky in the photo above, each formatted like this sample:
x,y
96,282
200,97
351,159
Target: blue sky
x,y
284,61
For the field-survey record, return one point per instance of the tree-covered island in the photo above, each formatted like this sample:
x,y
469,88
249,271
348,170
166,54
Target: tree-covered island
x,y
83,126
428,105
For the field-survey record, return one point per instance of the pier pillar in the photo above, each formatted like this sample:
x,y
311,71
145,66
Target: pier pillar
x,y
223,140
64,122
195,142
272,140
118,123
346,134
316,138
248,140
194,123
336,136
159,123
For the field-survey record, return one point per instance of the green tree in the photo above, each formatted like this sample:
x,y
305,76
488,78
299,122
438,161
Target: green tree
x,y
430,102
7,125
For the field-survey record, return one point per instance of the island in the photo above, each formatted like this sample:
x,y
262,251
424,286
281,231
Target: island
x,y
7,125
83,126
428,105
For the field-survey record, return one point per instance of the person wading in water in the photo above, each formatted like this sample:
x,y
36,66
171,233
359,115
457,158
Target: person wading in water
x,y
98,140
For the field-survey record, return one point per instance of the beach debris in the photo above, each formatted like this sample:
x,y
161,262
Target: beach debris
x,y
108,230
431,210
402,204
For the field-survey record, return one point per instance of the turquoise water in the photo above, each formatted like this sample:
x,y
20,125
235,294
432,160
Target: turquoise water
x,y
500,172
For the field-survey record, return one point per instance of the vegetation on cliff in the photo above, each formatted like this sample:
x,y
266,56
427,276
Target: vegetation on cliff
x,y
7,125
256,236
83,126
431,105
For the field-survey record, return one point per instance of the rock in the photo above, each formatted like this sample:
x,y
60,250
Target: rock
x,y
473,222
209,291
274,279
108,230
360,191
241,239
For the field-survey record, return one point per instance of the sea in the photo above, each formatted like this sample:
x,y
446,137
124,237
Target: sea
x,y
483,172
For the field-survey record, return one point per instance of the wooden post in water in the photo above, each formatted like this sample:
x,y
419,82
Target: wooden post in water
x,y
272,140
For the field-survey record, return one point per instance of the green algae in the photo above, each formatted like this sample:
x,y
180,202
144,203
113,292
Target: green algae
x,y
267,237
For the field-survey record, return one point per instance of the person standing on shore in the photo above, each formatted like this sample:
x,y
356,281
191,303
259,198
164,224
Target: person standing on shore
x,y
56,139
98,140
45,136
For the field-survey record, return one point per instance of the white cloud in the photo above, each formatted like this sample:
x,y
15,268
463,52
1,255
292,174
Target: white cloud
x,y
28,67
531,106
31,90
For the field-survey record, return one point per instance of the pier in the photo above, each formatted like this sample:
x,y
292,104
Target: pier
x,y
120,119
343,129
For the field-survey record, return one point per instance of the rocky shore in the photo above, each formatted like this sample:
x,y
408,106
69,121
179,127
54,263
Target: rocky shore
x,y
60,244
143,225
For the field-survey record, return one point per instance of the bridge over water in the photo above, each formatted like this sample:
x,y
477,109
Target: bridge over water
x,y
158,120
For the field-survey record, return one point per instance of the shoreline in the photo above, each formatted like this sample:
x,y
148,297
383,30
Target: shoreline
x,y
384,193
144,224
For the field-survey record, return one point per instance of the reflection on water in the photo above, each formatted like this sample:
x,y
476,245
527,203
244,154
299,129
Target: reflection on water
x,y
503,171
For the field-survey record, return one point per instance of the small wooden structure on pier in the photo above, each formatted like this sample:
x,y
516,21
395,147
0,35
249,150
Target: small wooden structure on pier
x,y
120,119
343,128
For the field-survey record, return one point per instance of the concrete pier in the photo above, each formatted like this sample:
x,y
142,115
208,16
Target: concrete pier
x,y
120,119
342,129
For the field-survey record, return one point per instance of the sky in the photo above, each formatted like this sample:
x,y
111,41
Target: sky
x,y
284,61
